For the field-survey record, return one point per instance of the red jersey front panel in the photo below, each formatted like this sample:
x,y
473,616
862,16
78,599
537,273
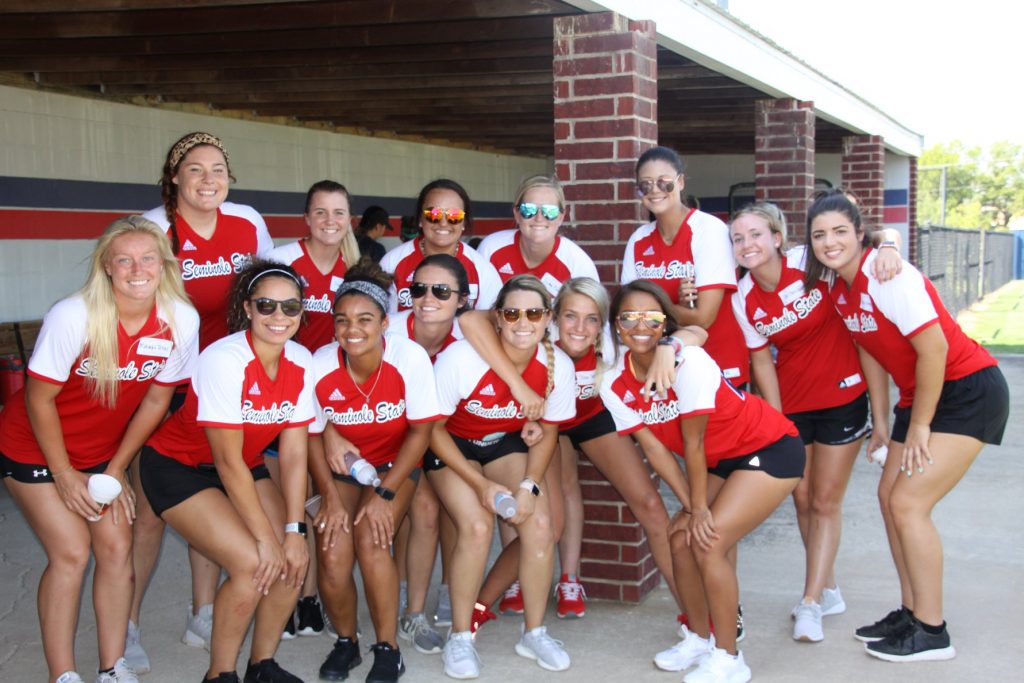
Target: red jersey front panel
x,y
566,260
92,432
588,396
318,292
402,261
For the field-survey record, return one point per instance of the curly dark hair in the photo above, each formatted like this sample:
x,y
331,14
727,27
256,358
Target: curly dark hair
x,y
241,289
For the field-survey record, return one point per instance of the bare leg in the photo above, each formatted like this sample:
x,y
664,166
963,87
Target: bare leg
x,y
148,535
885,486
423,518
337,586
570,541
112,548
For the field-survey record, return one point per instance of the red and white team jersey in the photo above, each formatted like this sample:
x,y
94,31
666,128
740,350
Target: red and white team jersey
x,y
318,292
400,393
883,317
402,261
588,396
208,267
402,324
92,432
817,364
701,250
481,405
565,261
738,423
231,390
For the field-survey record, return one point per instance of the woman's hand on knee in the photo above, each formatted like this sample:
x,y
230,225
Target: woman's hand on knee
x,y
915,449
331,521
702,528
296,558
271,566
124,504
379,514
73,488
680,524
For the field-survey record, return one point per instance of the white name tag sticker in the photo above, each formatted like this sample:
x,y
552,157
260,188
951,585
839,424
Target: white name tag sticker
x,y
791,292
730,373
552,283
152,346
336,282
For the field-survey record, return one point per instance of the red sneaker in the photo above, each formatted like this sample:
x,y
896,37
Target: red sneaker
x,y
572,599
684,620
512,601
481,615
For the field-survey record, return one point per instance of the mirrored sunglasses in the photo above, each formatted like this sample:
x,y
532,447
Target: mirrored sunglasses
x,y
512,315
630,319
549,211
435,214
645,187
418,290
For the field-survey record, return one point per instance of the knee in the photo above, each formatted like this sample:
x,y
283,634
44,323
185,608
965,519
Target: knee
x,y
114,552
826,502
538,531
650,512
147,524
802,498
367,551
677,543
243,565
334,569
424,515
476,533
72,559
903,508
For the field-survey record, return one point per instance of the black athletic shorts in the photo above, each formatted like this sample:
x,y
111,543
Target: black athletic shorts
x,y
595,427
834,426
782,459
977,405
483,452
168,482
381,471
28,473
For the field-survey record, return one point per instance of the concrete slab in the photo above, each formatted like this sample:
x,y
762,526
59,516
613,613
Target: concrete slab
x,y
984,573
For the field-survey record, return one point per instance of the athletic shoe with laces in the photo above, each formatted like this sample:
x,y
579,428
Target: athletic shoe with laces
x,y
311,617
692,649
122,673
222,677
720,667
388,664
893,622
481,615
832,602
807,623
268,671
198,627
417,630
460,658
512,600
572,599
289,628
443,613
343,658
69,677
913,644
538,645
133,652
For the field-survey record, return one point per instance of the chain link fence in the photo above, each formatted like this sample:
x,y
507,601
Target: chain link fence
x,y
961,270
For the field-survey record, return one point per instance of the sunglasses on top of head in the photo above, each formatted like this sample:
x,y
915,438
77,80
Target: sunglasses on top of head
x,y
441,292
435,214
266,306
645,187
513,315
549,211
630,319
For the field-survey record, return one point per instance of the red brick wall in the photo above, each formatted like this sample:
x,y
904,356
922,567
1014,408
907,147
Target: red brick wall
x,y
912,211
784,159
863,173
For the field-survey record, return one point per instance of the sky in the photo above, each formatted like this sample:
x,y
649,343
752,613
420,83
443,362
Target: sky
x,y
948,70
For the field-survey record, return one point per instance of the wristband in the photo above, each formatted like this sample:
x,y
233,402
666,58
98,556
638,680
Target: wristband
x,y
890,244
385,493
676,345
530,485
295,528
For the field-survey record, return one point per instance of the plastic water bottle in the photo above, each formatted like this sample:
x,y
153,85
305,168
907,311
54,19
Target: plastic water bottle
x,y
505,505
360,470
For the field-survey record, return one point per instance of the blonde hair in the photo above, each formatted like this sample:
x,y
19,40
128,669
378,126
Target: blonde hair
x,y
771,214
101,307
530,283
539,180
595,291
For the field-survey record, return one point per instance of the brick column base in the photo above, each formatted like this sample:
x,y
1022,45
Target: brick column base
x,y
864,175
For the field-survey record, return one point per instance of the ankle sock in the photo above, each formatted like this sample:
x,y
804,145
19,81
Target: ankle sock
x,y
934,630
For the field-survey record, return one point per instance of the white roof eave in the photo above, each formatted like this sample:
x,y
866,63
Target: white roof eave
x,y
714,39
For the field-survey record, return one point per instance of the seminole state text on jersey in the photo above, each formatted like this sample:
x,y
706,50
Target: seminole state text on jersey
x,y
317,292
92,432
208,267
231,390
481,405
738,423
817,363
701,250
402,261
400,392
565,261
883,317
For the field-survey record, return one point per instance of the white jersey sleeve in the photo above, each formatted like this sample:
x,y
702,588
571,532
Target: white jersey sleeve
x,y
626,420
561,403
576,260
903,299
713,259
456,371
183,358
413,364
158,215
286,253
629,258
325,361
263,241
495,241
389,264
697,382
218,381
305,406
755,340
60,341
490,281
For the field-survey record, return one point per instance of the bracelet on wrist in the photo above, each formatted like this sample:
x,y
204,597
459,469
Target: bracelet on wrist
x,y
62,472
888,244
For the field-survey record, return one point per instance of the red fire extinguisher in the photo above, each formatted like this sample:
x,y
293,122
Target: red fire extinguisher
x,y
12,376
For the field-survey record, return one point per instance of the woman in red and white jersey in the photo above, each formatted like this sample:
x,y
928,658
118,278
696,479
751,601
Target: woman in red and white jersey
x,y
534,247
825,395
688,254
480,454
742,459
321,259
953,400
378,394
109,355
206,463
444,211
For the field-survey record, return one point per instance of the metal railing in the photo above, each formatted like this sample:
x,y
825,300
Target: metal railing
x,y
961,269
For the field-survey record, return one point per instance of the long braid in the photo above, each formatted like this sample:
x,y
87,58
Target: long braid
x,y
170,198
550,349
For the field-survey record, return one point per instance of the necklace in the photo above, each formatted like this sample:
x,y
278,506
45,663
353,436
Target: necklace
x,y
365,394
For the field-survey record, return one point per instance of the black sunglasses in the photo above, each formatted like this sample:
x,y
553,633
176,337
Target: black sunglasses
x,y
290,307
418,290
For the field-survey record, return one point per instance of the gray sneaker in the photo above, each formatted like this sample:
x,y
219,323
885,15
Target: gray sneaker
x,y
133,652
536,644
416,629
199,627
443,615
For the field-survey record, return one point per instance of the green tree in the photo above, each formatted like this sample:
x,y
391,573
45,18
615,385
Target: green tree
x,y
982,188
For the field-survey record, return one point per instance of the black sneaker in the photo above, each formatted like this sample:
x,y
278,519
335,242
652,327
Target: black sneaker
x,y
311,617
343,658
268,671
893,622
222,677
387,664
740,633
913,644
289,628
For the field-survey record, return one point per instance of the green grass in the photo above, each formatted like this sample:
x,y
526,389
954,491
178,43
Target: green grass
x,y
997,321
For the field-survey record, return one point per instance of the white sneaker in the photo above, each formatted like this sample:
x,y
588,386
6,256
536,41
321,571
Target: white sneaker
x,y
133,653
538,645
69,677
122,674
199,627
460,658
807,623
720,667
692,649
832,602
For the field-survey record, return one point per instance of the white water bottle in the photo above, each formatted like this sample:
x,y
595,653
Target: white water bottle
x,y
360,470
505,505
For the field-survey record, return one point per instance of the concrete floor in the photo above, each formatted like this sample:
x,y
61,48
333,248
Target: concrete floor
x,y
984,575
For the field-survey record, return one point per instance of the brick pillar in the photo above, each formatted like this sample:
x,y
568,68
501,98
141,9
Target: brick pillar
x,y
606,92
784,159
912,246
864,175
